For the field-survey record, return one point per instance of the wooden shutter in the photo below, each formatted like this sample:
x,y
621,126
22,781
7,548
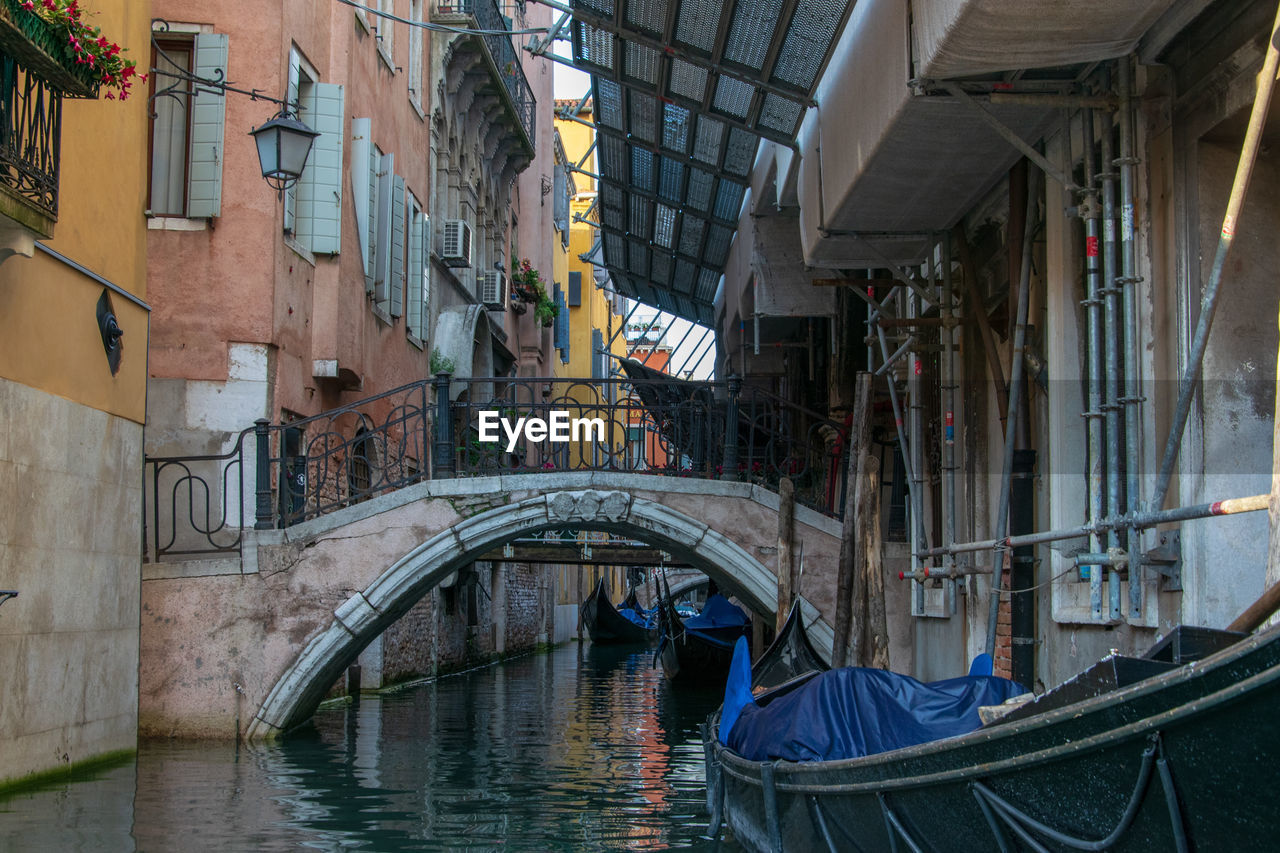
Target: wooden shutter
x,y
382,266
413,308
397,247
324,170
208,114
361,145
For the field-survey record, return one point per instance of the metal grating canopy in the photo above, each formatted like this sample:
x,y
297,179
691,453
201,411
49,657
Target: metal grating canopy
x,y
683,90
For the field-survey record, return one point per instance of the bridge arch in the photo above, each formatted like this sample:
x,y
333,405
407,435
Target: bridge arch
x,y
365,614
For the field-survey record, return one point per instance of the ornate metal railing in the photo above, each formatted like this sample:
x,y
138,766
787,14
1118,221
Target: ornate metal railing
x,y
30,136
446,427
198,503
502,49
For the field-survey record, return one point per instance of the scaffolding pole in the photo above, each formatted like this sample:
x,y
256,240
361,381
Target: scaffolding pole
x,y
1209,302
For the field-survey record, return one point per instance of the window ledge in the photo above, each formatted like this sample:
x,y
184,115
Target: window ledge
x,y
299,250
414,340
176,223
381,313
416,103
385,56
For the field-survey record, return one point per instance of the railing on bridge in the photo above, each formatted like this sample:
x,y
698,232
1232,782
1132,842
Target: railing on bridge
x,y
440,428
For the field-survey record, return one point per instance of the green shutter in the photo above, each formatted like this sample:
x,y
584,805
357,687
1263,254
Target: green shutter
x,y
424,322
205,145
361,145
382,261
413,295
324,170
371,263
397,247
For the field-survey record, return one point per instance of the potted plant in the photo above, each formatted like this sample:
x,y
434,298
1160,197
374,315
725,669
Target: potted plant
x,y
52,40
528,288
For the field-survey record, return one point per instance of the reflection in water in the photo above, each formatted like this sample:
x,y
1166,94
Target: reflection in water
x,y
579,749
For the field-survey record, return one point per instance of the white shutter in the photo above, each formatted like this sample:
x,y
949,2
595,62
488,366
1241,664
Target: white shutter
x,y
413,310
397,247
382,265
361,144
208,112
324,170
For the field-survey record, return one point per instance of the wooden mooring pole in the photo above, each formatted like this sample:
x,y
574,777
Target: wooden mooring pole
x,y
786,550
859,436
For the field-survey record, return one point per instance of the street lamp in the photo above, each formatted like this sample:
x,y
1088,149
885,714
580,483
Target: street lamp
x,y
283,145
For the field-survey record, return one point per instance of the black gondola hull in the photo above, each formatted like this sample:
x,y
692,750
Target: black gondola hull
x,y
701,656
1195,750
606,626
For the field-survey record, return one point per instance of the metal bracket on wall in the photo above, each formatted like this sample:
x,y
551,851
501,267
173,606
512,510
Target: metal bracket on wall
x,y
6,594
1166,558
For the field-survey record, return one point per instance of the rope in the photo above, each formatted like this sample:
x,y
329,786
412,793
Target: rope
x,y
1019,821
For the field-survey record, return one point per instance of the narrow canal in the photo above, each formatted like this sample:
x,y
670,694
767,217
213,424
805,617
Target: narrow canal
x,y
579,749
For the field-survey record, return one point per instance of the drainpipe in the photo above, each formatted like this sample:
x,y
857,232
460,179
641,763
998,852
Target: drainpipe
x,y
1127,284
1093,316
1015,399
1111,344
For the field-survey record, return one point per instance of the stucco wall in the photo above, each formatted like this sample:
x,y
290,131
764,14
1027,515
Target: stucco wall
x,y
71,497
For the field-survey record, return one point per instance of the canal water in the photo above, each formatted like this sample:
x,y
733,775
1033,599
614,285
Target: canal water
x,y
578,749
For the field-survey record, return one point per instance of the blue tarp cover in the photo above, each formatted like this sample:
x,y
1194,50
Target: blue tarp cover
x,y
718,612
852,712
643,618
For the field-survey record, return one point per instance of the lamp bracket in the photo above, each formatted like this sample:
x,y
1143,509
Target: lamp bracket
x,y
187,84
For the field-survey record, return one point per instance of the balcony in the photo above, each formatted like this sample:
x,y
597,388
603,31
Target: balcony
x,y
36,73
500,52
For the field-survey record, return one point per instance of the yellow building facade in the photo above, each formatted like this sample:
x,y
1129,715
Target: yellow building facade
x,y
72,409
592,317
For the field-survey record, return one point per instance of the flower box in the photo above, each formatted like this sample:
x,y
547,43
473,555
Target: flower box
x,y
43,50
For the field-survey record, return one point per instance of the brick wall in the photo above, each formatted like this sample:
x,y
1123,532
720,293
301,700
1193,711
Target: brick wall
x,y
525,609
408,646
436,635
1004,639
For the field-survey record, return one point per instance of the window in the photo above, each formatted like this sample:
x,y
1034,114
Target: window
x,y
418,309
313,206
386,32
575,289
415,53
187,130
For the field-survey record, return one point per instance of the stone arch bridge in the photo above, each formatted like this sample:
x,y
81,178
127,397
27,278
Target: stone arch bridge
x,y
249,645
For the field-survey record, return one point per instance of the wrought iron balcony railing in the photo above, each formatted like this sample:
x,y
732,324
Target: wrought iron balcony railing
x,y
30,138
503,52
433,428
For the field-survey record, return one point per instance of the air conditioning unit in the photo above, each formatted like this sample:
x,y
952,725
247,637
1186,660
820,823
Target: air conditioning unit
x,y
457,243
493,289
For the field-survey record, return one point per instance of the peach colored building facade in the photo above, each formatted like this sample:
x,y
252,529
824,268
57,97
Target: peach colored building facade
x,y
281,306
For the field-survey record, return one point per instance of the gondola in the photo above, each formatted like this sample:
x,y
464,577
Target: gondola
x,y
789,657
1176,750
699,648
606,626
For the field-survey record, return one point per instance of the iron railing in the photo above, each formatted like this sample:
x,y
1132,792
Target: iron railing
x,y
447,427
30,136
499,41
198,503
